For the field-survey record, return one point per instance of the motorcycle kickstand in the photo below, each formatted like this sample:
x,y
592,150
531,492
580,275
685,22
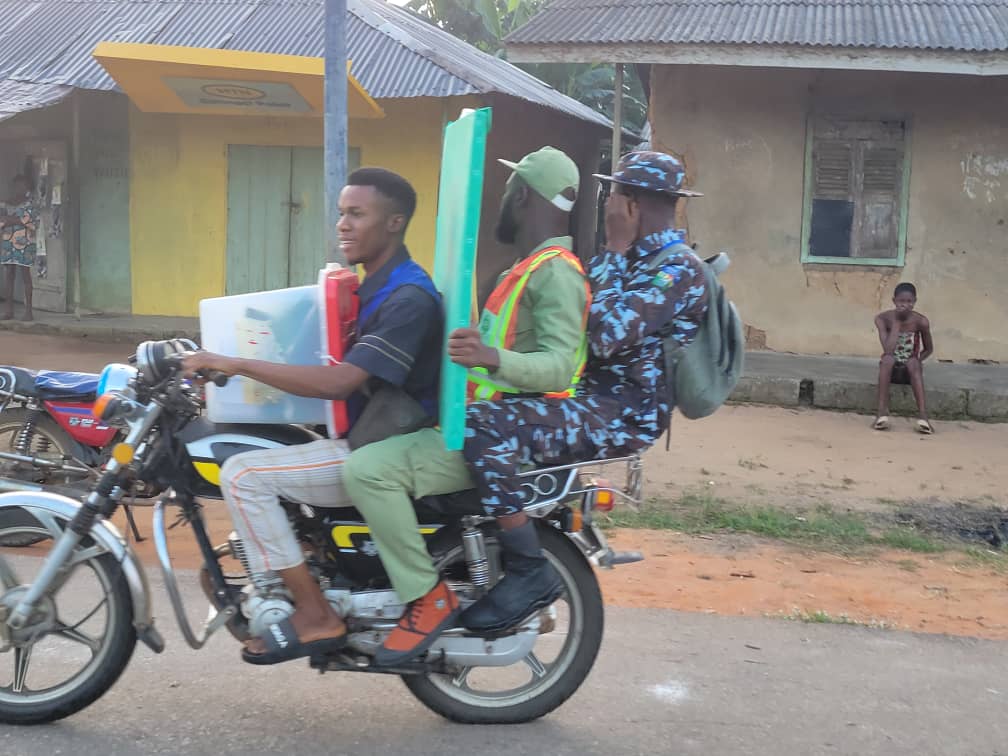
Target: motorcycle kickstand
x,y
132,523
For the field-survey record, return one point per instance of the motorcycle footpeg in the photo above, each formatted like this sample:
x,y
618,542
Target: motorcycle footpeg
x,y
609,558
626,557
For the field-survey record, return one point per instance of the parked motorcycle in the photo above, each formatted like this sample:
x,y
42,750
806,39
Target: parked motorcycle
x,y
69,630
50,437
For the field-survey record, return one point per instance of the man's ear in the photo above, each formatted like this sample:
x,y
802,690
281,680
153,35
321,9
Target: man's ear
x,y
396,224
521,194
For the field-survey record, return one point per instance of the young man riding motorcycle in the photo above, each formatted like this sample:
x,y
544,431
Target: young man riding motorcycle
x,y
620,407
531,340
398,346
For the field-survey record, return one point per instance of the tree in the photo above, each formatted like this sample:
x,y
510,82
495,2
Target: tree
x,y
485,23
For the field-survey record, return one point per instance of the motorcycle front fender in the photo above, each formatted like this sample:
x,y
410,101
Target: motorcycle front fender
x,y
108,537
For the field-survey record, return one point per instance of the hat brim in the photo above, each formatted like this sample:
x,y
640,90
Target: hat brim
x,y
508,164
676,193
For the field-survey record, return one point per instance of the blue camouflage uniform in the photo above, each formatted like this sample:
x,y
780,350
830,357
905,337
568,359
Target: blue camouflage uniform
x,y
620,407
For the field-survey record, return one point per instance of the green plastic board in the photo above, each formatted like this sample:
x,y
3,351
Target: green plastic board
x,y
459,200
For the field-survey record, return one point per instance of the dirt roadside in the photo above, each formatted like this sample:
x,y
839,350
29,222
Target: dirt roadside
x,y
759,455
740,575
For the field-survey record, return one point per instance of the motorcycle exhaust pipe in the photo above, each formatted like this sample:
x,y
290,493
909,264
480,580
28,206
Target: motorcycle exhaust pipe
x,y
41,463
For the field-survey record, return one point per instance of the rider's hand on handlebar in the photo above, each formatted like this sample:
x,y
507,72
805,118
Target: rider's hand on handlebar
x,y
466,348
206,364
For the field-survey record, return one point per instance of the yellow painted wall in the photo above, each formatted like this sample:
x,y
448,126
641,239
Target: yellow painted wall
x,y
178,194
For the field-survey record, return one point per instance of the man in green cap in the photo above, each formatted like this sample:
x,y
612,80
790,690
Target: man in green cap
x,y
531,342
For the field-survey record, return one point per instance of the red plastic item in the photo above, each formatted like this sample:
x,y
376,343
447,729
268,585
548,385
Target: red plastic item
x,y
77,420
339,324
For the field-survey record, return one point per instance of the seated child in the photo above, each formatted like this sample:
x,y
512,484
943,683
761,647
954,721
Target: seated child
x,y
902,332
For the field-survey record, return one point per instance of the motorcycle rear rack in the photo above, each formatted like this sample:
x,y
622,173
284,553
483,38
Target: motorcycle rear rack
x,y
550,486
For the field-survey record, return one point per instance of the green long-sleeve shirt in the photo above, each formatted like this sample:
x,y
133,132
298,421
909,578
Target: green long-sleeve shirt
x,y
550,326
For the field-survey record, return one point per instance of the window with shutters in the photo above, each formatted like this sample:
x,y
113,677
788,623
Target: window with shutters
x,y
855,192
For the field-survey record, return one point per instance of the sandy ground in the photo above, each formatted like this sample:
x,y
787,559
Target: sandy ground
x,y
739,575
764,455
760,454
808,457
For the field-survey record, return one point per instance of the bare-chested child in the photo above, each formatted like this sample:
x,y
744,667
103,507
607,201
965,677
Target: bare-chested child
x,y
903,332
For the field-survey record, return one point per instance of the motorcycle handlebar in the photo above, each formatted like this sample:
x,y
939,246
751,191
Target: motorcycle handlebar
x,y
216,378
211,376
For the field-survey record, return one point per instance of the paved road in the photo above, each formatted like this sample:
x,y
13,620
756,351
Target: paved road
x,y
666,682
40,352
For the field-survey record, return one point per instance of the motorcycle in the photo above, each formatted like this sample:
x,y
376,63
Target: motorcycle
x,y
49,436
88,601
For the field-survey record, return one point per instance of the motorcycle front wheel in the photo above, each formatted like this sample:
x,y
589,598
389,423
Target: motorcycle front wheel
x,y
81,637
569,640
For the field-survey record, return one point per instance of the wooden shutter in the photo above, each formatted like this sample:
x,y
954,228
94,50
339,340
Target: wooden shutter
x,y
876,219
833,169
857,188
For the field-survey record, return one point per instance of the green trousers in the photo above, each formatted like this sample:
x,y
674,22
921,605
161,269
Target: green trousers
x,y
382,479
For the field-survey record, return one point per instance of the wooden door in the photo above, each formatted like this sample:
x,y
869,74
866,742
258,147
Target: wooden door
x,y
258,223
276,216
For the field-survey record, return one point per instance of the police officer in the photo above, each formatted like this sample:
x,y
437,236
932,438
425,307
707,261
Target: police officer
x,y
619,407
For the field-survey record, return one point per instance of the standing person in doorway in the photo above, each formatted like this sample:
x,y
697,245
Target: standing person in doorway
x,y
18,245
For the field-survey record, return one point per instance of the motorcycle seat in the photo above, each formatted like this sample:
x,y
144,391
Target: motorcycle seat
x,y
457,504
48,384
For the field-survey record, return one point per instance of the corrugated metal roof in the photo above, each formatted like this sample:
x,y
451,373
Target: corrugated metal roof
x,y
394,52
19,97
958,25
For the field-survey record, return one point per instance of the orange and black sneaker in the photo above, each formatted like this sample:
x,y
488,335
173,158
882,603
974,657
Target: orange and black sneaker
x,y
425,619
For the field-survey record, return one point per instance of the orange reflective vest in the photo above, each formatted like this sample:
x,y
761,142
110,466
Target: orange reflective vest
x,y
500,319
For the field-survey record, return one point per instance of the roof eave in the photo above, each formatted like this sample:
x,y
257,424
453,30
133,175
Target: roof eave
x,y
769,56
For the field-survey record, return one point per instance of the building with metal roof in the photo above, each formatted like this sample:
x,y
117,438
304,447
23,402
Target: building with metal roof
x,y
948,36
842,146
154,200
395,54
964,25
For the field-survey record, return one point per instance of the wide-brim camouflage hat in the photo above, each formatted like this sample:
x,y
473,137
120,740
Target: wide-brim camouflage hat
x,y
652,172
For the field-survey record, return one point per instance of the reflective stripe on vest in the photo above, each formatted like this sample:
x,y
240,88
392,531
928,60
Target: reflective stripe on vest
x,y
500,320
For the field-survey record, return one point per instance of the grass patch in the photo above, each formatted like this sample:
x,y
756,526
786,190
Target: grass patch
x,y
910,540
822,526
908,565
986,558
821,617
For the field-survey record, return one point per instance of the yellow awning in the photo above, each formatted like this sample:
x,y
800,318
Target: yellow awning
x,y
168,79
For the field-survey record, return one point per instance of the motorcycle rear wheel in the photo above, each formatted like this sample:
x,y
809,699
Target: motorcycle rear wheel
x,y
28,697
551,684
46,432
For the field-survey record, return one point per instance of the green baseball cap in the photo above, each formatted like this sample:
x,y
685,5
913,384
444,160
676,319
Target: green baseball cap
x,y
550,173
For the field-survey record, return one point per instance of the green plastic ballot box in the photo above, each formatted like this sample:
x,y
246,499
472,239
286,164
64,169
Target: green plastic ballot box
x,y
459,200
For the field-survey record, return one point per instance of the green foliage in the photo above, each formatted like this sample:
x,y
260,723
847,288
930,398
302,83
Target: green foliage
x,y
485,24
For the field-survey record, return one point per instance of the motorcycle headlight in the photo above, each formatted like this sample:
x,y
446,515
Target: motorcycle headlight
x,y
115,377
157,360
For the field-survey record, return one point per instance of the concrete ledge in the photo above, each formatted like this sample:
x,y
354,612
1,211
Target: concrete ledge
x,y
109,330
988,407
762,389
851,396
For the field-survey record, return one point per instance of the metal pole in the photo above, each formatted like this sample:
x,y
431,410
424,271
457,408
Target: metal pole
x,y
75,146
335,124
617,132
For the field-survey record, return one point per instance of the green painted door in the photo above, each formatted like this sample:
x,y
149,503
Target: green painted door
x,y
276,216
307,213
258,225
105,278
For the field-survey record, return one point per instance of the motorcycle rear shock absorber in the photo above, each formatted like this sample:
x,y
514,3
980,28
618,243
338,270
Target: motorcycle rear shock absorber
x,y
474,548
23,442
